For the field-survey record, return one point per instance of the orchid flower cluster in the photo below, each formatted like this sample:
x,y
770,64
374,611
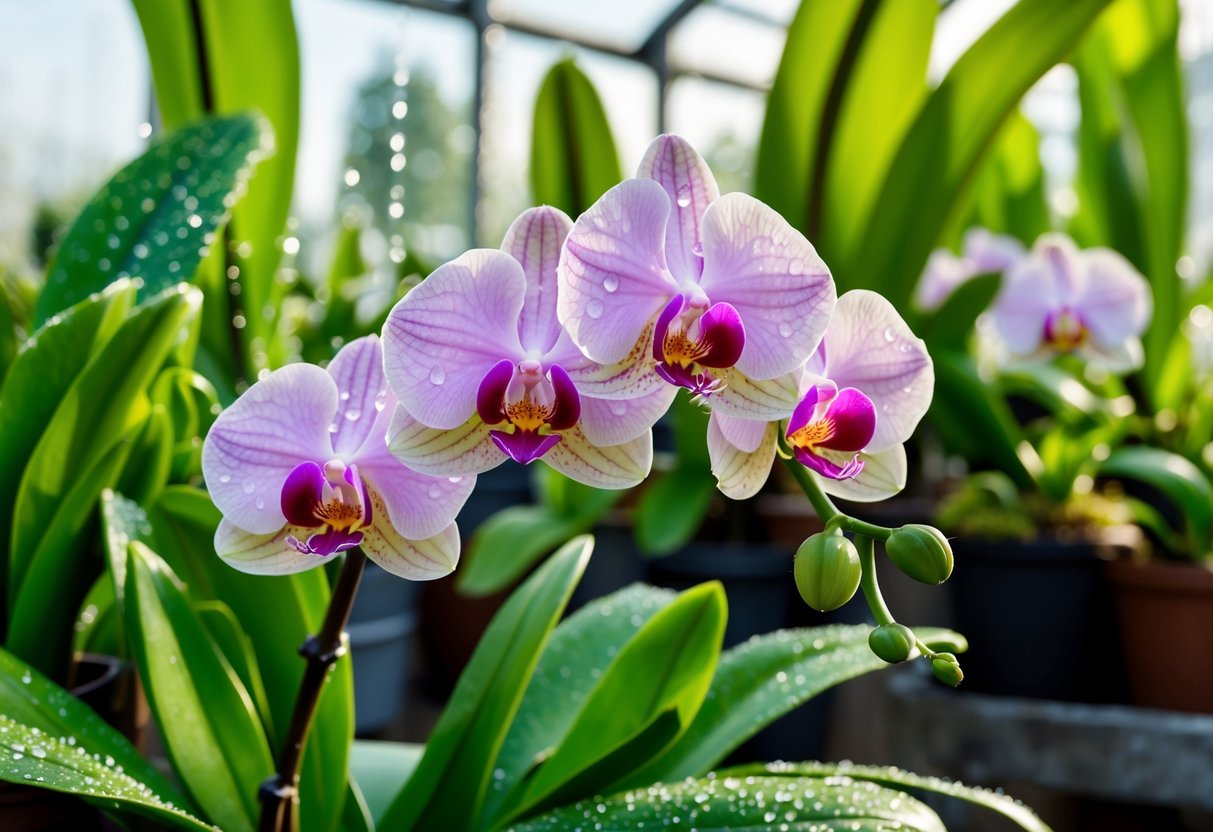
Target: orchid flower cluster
x,y
567,345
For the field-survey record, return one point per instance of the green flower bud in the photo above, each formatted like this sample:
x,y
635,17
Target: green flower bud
x,y
922,552
827,571
893,642
947,669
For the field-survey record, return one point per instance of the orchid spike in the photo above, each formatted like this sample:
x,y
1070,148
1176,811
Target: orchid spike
x,y
300,469
717,294
983,252
863,393
485,372
1061,300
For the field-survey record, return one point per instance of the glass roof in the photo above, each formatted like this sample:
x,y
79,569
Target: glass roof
x,y
622,25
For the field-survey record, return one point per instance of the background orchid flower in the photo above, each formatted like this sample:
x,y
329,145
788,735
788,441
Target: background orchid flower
x,y
983,252
717,293
863,393
300,469
485,372
1062,300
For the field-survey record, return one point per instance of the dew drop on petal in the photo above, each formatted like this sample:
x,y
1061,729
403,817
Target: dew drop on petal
x,y
437,375
345,395
249,486
226,478
785,329
697,249
353,414
610,283
594,308
889,335
619,408
684,196
435,491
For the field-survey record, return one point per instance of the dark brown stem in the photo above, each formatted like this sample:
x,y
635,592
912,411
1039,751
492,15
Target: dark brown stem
x,y
280,792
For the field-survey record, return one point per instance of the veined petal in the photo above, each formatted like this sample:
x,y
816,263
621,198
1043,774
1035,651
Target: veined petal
x,y
868,346
419,505
535,240
524,446
883,475
415,560
744,434
941,277
746,398
628,378
612,273
301,493
1029,293
443,336
1120,358
254,445
853,420
610,466
688,182
987,252
459,452
357,371
1115,302
772,275
741,473
614,421
264,554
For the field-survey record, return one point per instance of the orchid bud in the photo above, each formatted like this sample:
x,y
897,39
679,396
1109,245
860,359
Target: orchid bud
x,y
827,571
922,552
893,643
946,668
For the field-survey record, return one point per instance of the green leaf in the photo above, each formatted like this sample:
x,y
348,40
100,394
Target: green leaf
x,y
928,180
8,334
757,801
952,325
1010,192
381,769
672,509
761,680
277,614
644,701
149,464
29,756
573,157
153,222
225,630
579,652
207,719
447,790
1179,481
893,778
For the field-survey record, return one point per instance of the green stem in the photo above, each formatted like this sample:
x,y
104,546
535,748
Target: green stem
x,y
822,504
868,583
850,524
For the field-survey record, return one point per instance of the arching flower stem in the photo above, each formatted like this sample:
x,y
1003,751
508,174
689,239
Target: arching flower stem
x,y
280,792
869,584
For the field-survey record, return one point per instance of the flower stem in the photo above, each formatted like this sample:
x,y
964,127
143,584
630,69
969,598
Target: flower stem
x,y
868,583
825,509
280,792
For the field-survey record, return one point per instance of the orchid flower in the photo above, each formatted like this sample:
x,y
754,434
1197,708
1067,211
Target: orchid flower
x,y
300,469
717,293
862,394
983,252
485,372
1061,300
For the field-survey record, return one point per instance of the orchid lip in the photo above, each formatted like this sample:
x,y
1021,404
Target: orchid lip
x,y
524,397
332,498
830,419
692,336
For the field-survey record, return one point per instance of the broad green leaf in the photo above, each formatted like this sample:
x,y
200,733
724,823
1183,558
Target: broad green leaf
x,y
150,462
225,630
953,324
34,701
277,614
8,334
579,652
644,701
98,627
750,802
761,680
928,181
154,221
673,508
28,756
381,769
356,814
210,727
448,787
1179,481
192,404
1010,192
893,778
573,157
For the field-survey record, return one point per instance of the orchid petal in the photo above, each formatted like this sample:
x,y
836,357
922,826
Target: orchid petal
x,y
524,446
1115,302
567,408
254,445
628,378
987,252
357,371
1115,358
941,277
415,560
744,434
612,272
883,475
721,329
747,398
445,334
688,182
611,466
264,554
490,395
831,465
614,421
535,240
772,275
419,505
868,346
458,452
301,493
741,473
1029,293
853,420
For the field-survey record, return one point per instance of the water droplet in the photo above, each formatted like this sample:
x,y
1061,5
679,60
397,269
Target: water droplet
x,y
226,478
594,308
619,408
345,396
249,486
437,375
697,249
353,414
785,329
380,401
435,491
684,196
610,283
889,335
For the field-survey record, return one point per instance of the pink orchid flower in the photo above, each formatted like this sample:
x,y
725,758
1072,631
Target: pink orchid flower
x,y
1061,300
300,469
863,393
484,371
718,294
983,252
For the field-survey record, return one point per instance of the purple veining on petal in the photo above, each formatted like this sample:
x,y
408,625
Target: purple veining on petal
x,y
522,445
301,493
671,311
490,397
853,419
567,406
721,331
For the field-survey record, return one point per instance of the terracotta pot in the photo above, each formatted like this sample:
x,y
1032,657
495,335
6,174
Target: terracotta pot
x,y
1165,612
